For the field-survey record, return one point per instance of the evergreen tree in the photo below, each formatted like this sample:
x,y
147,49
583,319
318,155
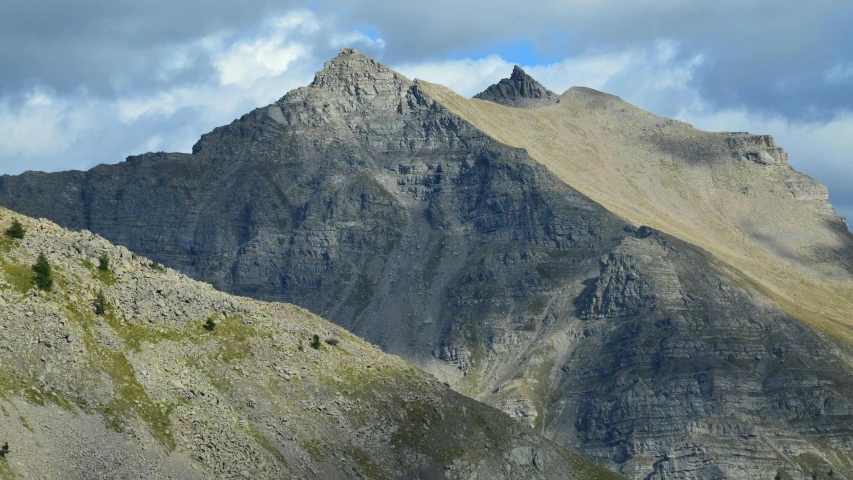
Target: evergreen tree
x,y
16,230
100,303
104,263
44,277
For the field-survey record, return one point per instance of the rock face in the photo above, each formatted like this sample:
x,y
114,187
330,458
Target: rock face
x,y
520,90
364,198
144,390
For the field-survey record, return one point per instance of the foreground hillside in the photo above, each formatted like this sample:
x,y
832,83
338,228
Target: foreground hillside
x,y
393,208
144,390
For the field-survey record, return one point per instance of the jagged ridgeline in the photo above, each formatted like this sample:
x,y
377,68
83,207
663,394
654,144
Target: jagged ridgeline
x,y
173,379
503,250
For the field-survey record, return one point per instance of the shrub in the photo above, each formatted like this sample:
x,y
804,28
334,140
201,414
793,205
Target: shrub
x,y
44,276
156,266
100,303
104,263
4,450
210,324
315,342
333,341
16,230
300,347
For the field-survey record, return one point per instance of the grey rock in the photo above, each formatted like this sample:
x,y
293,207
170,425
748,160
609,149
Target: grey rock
x,y
173,400
520,90
364,200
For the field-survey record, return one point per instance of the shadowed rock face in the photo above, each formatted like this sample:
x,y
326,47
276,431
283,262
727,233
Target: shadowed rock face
x,y
366,201
520,90
147,388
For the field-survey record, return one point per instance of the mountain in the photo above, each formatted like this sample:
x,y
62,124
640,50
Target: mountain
x,y
520,90
145,390
665,301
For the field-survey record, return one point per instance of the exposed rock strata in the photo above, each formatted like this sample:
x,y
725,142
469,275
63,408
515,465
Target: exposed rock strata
x,y
520,90
145,391
362,198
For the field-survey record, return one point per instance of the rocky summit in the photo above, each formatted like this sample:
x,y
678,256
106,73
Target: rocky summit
x,y
669,303
127,369
520,90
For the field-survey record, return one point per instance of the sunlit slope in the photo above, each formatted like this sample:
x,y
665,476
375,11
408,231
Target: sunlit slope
x,y
729,193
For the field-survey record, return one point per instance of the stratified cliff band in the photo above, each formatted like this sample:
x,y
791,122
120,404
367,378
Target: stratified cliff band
x,y
366,199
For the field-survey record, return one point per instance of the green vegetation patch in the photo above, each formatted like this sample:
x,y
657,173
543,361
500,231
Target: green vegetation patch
x,y
104,276
43,274
16,230
318,451
367,467
129,397
267,444
19,276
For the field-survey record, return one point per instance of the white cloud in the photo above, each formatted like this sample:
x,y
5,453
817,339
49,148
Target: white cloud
x,y
267,55
49,132
357,39
246,63
838,74
662,82
40,126
465,76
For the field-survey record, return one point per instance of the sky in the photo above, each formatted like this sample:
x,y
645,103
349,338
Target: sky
x,y
93,81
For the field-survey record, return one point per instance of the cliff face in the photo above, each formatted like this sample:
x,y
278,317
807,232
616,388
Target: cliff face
x,y
174,379
367,198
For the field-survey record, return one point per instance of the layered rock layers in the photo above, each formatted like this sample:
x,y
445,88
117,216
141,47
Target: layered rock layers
x,y
376,201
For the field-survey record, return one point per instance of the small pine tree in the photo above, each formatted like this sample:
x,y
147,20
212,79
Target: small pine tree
x,y
778,476
16,230
210,324
4,450
100,303
44,277
300,347
104,263
315,342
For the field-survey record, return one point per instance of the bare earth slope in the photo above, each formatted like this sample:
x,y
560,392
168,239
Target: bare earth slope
x,y
365,198
145,391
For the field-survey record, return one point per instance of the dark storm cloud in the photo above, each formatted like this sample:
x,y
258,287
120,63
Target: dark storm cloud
x,y
106,46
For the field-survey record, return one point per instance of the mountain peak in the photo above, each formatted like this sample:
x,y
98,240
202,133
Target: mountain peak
x,y
350,71
520,90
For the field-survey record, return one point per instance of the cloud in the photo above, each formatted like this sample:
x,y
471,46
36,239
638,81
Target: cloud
x,y
839,73
745,45
465,76
663,81
92,82
42,129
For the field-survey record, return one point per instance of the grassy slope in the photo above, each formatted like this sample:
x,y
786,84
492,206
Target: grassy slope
x,y
607,150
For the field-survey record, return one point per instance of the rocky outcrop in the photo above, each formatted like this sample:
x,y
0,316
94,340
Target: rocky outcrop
x,y
707,362
520,90
760,149
177,380
364,199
